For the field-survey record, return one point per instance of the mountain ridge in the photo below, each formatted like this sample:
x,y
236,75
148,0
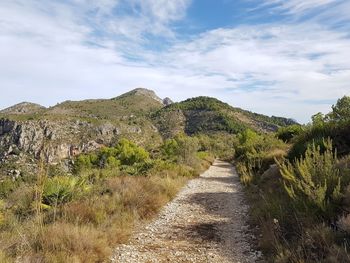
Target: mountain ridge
x,y
73,127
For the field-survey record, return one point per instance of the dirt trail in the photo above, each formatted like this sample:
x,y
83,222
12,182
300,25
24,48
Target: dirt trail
x,y
206,222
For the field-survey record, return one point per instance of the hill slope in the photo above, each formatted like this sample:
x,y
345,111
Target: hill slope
x,y
23,108
208,115
72,127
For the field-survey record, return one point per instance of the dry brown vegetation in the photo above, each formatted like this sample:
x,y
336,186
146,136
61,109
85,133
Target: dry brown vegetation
x,y
81,218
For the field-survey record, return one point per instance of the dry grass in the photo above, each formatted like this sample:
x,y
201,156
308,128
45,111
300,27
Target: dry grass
x,y
86,229
4,258
64,242
55,224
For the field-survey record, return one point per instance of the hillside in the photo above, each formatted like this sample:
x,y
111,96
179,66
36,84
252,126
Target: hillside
x,y
209,115
23,108
72,127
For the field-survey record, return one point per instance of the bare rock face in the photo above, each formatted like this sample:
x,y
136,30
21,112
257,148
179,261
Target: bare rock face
x,y
143,92
167,101
56,140
53,140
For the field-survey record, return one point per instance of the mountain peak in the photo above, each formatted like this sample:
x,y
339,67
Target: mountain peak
x,y
143,92
23,108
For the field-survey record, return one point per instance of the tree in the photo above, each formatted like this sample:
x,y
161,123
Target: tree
x,y
187,149
341,110
318,119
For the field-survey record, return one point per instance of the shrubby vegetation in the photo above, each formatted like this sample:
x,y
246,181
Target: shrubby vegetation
x,y
80,217
205,115
124,155
297,181
255,153
287,133
298,185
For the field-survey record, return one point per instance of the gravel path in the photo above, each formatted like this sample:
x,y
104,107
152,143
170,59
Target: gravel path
x,y
206,222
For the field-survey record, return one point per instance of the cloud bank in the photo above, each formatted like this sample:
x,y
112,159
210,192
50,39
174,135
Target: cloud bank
x,y
57,50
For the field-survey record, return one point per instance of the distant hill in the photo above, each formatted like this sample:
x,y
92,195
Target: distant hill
x,y
23,108
208,115
73,127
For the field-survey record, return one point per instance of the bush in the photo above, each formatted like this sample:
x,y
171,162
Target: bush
x,y
4,258
124,153
315,180
182,149
85,161
257,152
170,148
340,111
287,133
338,132
62,189
129,153
7,186
220,145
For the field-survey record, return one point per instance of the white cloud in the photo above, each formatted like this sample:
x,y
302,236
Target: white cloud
x,y
297,6
291,70
298,65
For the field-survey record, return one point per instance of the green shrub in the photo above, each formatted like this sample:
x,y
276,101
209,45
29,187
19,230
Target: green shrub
x,y
62,189
129,153
257,152
170,148
4,258
181,149
314,180
187,150
338,132
202,155
340,111
7,186
287,133
125,153
85,161
112,162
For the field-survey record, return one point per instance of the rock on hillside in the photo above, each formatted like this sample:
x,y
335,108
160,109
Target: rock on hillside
x,y
167,101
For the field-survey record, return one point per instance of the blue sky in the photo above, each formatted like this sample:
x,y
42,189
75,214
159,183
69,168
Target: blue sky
x,y
277,57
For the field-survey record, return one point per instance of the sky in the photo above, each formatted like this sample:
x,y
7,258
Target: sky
x,y
277,57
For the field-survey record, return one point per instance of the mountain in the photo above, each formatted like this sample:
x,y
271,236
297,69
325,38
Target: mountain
x,y
209,115
29,130
23,108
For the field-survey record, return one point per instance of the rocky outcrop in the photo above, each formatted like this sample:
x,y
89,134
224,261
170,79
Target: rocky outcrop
x,y
167,101
142,92
52,140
